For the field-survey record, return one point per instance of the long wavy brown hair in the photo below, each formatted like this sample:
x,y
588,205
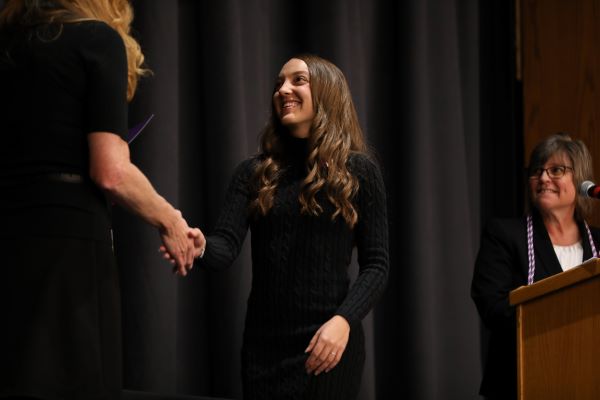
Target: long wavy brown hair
x,y
334,134
116,13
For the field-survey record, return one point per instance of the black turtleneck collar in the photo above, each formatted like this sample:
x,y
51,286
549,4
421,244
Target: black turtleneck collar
x,y
295,150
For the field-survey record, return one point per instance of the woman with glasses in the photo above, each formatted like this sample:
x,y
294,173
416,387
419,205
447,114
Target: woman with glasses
x,y
556,231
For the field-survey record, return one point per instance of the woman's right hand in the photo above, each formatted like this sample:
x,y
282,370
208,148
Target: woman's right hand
x,y
199,245
178,243
112,171
199,242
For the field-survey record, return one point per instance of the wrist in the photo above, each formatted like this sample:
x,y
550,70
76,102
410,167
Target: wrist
x,y
170,220
342,319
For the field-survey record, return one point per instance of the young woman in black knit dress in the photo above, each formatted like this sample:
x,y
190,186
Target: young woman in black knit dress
x,y
309,197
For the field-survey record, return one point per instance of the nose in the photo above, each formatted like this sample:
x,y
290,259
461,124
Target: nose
x,y
285,88
546,177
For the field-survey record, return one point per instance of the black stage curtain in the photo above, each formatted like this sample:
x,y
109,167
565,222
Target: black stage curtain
x,y
414,70
435,106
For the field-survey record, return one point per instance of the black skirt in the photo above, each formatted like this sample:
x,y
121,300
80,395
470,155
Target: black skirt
x,y
60,303
274,369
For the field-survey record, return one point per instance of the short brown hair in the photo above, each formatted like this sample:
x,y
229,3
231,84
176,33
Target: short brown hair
x,y
578,153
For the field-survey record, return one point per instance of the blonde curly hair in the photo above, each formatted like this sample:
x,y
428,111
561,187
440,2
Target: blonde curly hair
x,y
118,14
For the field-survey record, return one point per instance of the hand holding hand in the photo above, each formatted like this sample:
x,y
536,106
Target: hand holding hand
x,y
178,244
327,345
199,245
199,242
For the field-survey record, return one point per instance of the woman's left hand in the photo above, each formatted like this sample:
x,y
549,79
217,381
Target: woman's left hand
x,y
327,345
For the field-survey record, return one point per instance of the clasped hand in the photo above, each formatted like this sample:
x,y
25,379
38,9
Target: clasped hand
x,y
181,244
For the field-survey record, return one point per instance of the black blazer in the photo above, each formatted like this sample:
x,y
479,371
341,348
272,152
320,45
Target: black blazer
x,y
501,266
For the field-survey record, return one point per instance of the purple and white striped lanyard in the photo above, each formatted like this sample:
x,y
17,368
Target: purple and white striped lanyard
x,y
530,254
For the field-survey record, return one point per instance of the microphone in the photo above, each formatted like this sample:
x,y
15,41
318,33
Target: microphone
x,y
589,189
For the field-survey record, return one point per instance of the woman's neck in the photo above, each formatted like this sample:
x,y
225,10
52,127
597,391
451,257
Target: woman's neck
x,y
295,149
562,228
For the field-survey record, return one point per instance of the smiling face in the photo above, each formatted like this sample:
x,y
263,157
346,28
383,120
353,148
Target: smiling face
x,y
554,194
292,99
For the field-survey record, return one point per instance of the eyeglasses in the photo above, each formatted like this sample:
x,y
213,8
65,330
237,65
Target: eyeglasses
x,y
554,172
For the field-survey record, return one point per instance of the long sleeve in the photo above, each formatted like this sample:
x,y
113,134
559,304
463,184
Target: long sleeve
x,y
371,235
225,241
496,274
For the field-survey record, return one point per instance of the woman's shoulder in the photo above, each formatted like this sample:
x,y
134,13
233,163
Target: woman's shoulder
x,y
245,168
94,33
508,227
90,27
249,163
362,161
363,166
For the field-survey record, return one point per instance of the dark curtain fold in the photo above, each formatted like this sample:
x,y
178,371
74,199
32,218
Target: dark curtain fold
x,y
415,71
413,68
432,106
501,139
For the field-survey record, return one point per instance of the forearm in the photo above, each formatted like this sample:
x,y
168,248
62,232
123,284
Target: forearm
x,y
225,241
372,242
221,251
364,293
134,192
112,170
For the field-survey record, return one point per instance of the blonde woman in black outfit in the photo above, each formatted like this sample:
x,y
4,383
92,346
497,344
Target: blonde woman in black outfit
x,y
310,196
556,232
67,70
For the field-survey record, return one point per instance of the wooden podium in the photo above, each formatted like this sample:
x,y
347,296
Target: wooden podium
x,y
558,335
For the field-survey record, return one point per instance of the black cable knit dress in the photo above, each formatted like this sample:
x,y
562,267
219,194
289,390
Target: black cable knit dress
x,y
300,278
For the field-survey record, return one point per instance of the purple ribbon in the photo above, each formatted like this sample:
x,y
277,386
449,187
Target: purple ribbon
x,y
137,129
530,250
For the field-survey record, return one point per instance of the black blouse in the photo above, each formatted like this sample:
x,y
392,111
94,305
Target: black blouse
x,y
59,83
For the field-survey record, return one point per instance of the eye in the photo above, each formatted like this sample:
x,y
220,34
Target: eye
x,y
300,79
557,170
536,172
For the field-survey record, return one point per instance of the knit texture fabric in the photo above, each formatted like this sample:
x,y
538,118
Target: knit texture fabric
x,y
300,277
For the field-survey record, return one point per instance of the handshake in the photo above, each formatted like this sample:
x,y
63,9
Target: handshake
x,y
181,244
